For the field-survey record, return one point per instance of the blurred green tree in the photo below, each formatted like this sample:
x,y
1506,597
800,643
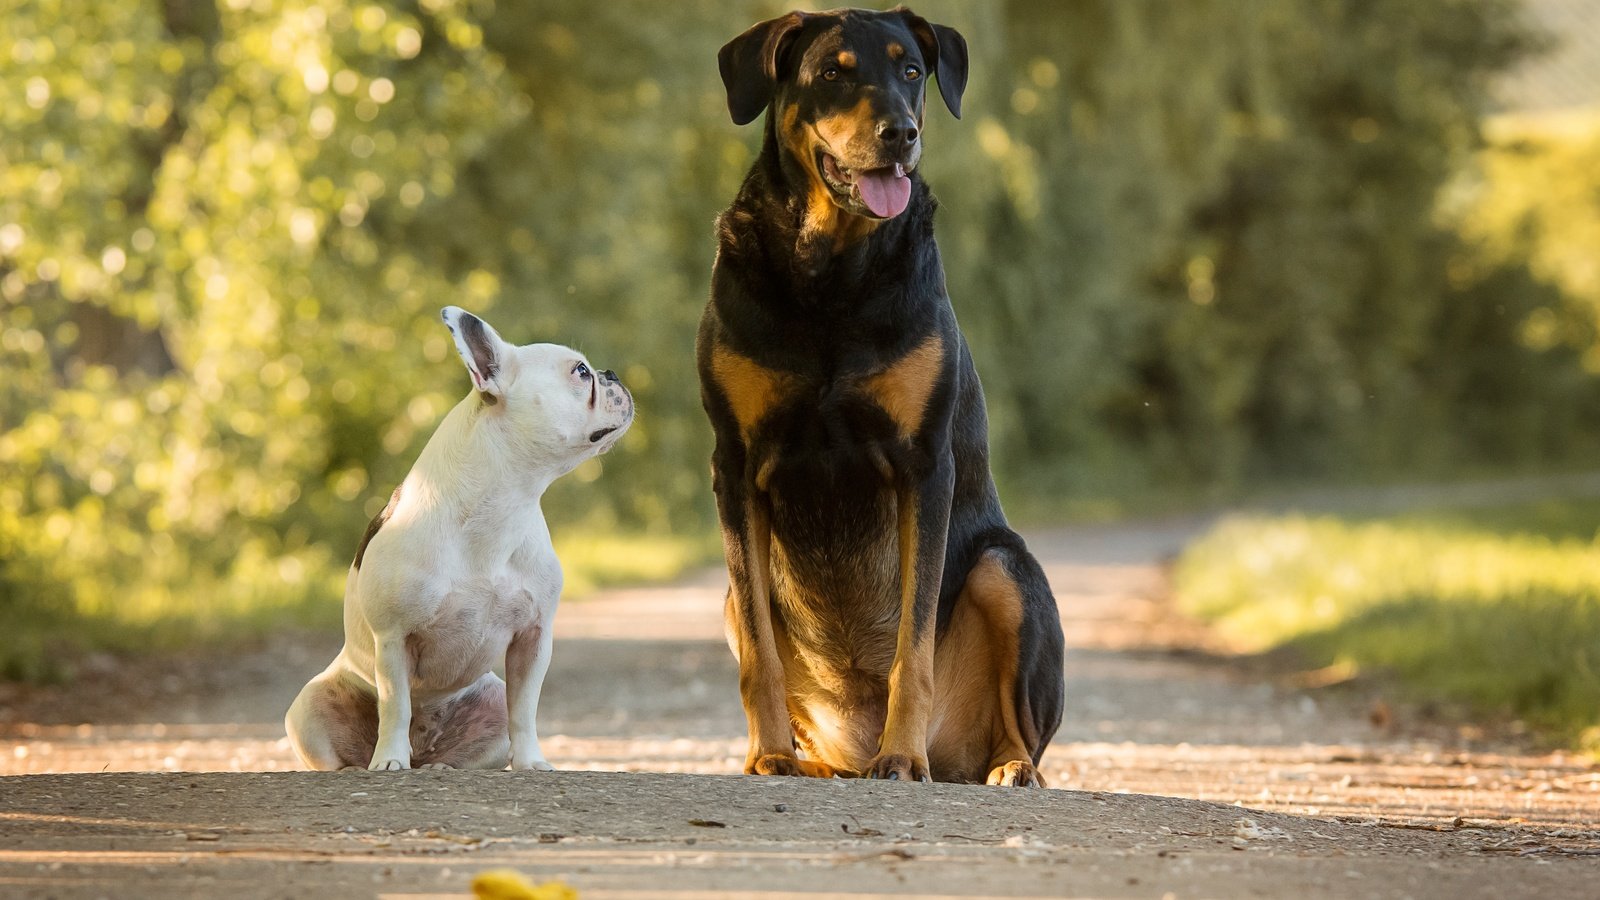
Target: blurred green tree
x,y
1191,245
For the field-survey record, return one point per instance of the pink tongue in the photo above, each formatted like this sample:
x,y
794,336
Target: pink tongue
x,y
884,192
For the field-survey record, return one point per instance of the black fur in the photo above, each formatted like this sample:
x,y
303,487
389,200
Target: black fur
x,y
826,314
750,64
946,50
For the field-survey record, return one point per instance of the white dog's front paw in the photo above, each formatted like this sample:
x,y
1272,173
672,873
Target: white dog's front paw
x,y
539,764
392,764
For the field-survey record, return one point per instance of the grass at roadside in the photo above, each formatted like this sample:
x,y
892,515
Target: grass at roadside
x,y
43,637
1496,608
593,561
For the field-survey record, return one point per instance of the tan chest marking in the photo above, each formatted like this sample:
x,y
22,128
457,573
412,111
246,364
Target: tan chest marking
x,y
903,389
753,390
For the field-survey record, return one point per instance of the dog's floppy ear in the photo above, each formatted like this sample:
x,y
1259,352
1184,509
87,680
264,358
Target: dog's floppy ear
x,y
945,51
480,347
749,65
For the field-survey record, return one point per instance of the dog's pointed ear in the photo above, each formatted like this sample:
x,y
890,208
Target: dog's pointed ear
x,y
480,347
750,62
945,51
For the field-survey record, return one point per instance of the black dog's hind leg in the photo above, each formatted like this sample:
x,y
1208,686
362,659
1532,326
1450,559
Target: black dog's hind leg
x,y
1000,682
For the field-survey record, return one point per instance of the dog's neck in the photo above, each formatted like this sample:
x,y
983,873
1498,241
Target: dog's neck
x,y
472,476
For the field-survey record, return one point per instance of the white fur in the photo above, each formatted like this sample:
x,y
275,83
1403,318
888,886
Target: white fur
x,y
463,568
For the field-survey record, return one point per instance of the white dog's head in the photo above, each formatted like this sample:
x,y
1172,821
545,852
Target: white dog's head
x,y
549,401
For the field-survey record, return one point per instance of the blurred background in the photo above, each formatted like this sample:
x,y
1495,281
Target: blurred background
x,y
1201,250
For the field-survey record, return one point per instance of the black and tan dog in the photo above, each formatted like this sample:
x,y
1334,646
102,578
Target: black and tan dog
x,y
887,621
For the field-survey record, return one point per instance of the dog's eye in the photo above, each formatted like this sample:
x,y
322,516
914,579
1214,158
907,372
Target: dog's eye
x,y
582,371
913,73
831,73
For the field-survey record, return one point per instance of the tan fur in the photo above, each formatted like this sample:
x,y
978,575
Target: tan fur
x,y
786,764
975,673
830,660
834,134
836,640
903,389
840,130
761,682
815,696
844,591
752,390
905,729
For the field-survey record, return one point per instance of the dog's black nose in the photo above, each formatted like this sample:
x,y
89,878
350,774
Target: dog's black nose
x,y
897,132
608,375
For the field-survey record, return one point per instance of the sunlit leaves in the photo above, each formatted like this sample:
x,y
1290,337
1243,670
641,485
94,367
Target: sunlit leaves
x,y
1188,243
217,186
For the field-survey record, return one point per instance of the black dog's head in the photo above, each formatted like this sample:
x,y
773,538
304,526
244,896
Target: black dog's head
x,y
847,89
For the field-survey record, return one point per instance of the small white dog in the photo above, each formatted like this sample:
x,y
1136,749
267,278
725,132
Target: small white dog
x,y
458,572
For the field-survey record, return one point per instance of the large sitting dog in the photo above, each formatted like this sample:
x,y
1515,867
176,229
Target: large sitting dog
x,y
458,573
886,620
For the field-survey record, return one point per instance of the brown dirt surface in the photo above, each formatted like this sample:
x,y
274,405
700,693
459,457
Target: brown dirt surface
x,y
1179,769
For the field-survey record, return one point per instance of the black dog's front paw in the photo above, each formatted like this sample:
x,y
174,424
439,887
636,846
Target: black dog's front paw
x,y
899,767
786,764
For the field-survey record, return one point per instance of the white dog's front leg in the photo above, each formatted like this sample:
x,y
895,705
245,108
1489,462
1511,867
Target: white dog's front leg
x,y
393,750
527,660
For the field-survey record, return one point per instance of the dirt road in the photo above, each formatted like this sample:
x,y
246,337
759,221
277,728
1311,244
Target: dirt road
x,y
1272,788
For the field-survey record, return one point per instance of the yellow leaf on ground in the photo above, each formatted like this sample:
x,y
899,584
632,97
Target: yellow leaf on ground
x,y
508,884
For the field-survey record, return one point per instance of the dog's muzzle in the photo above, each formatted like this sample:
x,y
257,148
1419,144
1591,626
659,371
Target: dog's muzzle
x,y
616,399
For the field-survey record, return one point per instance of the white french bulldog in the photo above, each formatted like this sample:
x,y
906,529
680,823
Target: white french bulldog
x,y
458,572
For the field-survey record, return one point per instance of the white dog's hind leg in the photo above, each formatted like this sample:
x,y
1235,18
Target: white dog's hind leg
x,y
393,679
307,732
332,724
527,661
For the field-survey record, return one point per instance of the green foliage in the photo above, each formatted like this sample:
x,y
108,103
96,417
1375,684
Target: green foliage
x,y
1223,257
1191,244
1531,202
1499,609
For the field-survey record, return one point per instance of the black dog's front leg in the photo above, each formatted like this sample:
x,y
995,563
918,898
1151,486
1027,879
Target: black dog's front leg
x,y
747,543
923,508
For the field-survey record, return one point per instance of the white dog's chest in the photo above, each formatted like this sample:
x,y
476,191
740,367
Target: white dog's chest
x,y
469,633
